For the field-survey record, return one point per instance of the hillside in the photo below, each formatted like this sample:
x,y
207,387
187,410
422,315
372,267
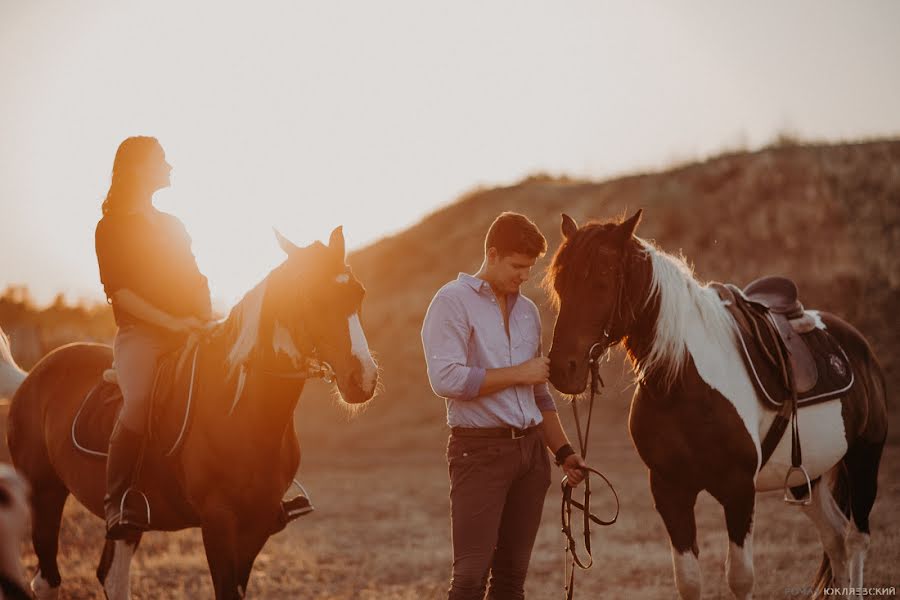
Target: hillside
x,y
827,216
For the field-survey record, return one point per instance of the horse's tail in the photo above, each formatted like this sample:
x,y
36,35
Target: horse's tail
x,y
840,492
11,376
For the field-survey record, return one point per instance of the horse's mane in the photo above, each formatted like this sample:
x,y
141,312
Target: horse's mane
x,y
243,323
580,250
676,333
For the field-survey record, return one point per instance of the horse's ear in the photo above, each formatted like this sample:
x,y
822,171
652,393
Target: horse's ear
x,y
627,228
568,226
336,241
287,245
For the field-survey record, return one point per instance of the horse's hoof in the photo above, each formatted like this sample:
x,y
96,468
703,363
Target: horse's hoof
x,y
42,590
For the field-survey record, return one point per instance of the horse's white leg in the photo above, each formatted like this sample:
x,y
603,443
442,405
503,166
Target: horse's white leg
x,y
739,567
687,574
737,495
42,590
857,546
117,584
828,518
675,504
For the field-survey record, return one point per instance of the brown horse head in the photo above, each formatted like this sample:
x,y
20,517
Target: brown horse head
x,y
586,281
312,308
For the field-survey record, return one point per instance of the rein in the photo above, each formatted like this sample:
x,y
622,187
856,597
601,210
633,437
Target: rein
x,y
568,502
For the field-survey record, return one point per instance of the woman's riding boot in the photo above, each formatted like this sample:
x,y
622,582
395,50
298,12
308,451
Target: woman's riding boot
x,y
127,509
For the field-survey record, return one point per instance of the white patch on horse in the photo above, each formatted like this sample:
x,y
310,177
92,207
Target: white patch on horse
x,y
817,317
11,376
41,588
831,524
118,579
739,567
687,574
692,321
246,314
282,342
342,278
360,349
857,545
822,439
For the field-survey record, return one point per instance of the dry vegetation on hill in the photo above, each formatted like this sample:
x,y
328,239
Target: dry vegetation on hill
x,y
827,216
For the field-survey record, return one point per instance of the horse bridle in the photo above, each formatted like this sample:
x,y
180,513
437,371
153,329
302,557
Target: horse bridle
x,y
598,350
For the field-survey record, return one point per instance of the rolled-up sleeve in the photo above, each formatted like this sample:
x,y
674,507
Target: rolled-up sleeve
x,y
542,397
445,340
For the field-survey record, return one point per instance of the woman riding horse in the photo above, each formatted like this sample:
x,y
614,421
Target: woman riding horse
x,y
158,296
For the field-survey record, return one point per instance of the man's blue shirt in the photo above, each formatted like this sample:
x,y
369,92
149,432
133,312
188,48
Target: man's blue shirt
x,y
464,335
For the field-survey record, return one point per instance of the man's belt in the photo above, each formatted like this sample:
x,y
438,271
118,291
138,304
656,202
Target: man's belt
x,y
494,432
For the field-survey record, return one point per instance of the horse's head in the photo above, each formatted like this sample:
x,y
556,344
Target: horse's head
x,y
586,280
313,303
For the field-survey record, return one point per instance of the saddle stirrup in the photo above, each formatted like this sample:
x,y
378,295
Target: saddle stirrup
x,y
788,496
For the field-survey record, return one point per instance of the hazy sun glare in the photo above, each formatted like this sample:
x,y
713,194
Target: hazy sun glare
x,y
305,116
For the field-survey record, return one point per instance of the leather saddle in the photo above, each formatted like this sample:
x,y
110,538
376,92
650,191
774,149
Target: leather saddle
x,y
170,407
783,348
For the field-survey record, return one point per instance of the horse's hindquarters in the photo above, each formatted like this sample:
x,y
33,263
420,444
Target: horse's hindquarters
x,y
823,443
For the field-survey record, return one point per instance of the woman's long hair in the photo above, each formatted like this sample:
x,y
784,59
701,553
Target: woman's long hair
x,y
133,157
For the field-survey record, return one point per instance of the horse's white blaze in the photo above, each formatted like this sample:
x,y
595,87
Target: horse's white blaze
x,y
360,349
739,567
822,439
687,574
42,590
831,523
118,580
282,342
857,545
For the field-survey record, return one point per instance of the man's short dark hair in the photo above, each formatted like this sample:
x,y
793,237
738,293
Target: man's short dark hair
x,y
512,233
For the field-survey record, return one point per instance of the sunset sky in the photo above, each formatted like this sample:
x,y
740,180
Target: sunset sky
x,y
304,115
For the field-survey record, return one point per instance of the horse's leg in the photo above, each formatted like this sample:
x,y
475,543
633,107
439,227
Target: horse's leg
x,y
114,571
48,499
828,517
249,546
862,462
675,504
738,496
220,543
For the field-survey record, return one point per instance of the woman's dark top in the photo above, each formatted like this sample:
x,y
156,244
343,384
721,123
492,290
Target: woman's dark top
x,y
149,253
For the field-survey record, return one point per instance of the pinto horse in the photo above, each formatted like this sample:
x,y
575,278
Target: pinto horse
x,y
239,455
696,418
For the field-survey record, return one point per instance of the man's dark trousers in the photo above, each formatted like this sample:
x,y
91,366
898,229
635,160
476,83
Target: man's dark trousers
x,y
497,491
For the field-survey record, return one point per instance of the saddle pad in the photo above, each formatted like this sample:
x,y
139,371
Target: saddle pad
x,y
169,411
94,421
832,375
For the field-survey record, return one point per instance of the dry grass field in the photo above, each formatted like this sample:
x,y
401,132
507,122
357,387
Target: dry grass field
x,y
381,531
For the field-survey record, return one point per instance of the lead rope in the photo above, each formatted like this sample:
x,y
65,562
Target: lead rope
x,y
568,502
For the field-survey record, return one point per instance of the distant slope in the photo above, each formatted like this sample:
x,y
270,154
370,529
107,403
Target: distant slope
x,y
827,216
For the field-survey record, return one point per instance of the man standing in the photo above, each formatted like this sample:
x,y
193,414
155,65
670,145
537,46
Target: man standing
x,y
482,342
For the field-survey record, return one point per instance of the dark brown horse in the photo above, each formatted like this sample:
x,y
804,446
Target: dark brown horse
x,y
240,453
696,418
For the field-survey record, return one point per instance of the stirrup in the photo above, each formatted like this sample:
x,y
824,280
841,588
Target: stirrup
x,y
299,505
788,497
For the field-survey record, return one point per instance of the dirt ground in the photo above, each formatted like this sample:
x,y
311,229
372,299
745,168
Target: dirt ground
x,y
381,531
